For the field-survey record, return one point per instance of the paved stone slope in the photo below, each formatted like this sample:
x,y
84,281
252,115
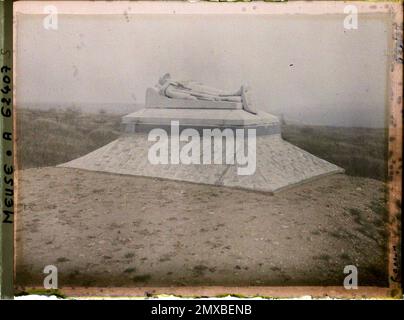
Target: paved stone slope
x,y
279,164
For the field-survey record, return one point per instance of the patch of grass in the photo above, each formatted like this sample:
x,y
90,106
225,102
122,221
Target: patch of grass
x,y
368,228
337,235
368,232
323,257
379,223
129,270
356,214
360,151
142,278
345,256
165,258
74,274
52,137
379,208
377,272
62,259
129,255
200,269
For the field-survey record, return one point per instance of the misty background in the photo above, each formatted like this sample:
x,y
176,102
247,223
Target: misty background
x,y
307,68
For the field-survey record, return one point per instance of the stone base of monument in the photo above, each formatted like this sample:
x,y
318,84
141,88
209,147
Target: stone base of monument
x,y
261,162
279,164
149,118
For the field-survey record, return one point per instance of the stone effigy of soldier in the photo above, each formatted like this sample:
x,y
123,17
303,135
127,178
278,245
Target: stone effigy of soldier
x,y
192,90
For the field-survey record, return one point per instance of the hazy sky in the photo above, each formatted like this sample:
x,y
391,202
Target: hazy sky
x,y
307,67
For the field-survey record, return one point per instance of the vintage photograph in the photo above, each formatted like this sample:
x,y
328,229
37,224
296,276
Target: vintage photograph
x,y
196,144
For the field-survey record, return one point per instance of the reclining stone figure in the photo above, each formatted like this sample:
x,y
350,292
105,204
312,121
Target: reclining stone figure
x,y
192,90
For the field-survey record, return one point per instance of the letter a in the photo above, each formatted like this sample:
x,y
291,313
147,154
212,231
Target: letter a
x,y
351,280
351,20
158,153
51,280
51,20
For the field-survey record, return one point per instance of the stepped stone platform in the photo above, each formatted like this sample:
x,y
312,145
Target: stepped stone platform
x,y
146,119
277,163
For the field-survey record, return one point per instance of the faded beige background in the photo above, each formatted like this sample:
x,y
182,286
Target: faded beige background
x,y
308,68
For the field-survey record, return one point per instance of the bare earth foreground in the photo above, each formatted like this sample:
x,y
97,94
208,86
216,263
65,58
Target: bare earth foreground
x,y
104,229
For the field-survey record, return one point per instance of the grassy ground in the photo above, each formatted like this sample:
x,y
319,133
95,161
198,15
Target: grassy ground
x,y
48,138
360,151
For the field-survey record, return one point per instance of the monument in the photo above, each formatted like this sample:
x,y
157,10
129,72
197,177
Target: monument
x,y
198,106
204,134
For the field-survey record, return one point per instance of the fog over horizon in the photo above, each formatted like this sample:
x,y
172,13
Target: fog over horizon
x,y
307,68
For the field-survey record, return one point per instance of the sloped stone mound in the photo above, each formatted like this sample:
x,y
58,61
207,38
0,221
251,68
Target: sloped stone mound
x,y
279,164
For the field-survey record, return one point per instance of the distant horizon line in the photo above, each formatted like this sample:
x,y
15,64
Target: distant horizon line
x,y
61,107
